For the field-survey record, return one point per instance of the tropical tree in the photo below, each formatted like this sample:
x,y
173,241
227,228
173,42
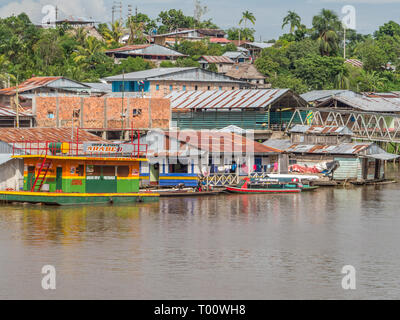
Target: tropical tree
x,y
247,16
136,32
292,19
113,35
80,35
89,53
327,25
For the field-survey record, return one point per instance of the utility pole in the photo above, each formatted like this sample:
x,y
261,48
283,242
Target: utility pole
x,y
17,104
122,107
344,42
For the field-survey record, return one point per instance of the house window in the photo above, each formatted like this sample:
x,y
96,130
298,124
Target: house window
x,y
196,88
157,87
136,112
50,115
233,88
208,88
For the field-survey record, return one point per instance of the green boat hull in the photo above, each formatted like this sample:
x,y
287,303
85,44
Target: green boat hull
x,y
74,199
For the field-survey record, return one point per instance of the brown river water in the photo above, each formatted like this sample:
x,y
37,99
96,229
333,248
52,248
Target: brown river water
x,y
227,247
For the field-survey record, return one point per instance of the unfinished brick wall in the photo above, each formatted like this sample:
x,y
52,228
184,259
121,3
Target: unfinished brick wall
x,y
102,113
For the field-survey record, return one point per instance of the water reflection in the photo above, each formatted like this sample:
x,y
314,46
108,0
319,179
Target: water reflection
x,y
227,247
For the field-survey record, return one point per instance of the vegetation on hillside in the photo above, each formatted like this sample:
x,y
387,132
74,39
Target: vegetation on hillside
x,y
303,59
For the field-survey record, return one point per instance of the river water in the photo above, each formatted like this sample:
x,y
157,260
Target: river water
x,y
227,247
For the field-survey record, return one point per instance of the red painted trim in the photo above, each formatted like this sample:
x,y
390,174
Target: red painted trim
x,y
263,191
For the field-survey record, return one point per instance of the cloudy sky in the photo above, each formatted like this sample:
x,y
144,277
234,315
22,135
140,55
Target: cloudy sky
x,y
226,13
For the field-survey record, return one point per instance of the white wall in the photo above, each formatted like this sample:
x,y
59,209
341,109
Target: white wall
x,y
12,175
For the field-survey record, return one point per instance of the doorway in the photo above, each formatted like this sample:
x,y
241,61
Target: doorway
x,y
154,174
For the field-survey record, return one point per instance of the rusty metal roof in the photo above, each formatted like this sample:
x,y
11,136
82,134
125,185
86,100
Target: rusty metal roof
x,y
220,142
10,112
30,84
321,130
367,104
11,135
344,148
129,48
217,59
220,99
355,63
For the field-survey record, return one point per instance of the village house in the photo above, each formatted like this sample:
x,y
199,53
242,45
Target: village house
x,y
222,63
162,81
183,157
10,118
249,73
188,35
312,148
43,86
152,52
109,117
237,56
14,141
259,110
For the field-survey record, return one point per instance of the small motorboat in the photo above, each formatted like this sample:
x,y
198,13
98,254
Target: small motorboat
x,y
260,186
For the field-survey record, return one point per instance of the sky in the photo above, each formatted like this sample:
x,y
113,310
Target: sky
x,y
370,14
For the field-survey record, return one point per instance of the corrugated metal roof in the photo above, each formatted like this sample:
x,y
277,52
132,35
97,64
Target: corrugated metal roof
x,y
30,84
320,95
219,99
147,50
367,104
321,130
355,63
344,148
11,135
147,74
234,54
218,142
9,112
38,82
129,48
217,59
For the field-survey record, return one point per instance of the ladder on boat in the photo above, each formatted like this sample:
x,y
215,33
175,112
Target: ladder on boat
x,y
41,176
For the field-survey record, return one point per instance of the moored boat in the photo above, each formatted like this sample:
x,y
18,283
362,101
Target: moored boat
x,y
248,186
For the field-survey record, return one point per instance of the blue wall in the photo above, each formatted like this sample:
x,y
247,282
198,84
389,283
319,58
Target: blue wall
x,y
130,86
174,179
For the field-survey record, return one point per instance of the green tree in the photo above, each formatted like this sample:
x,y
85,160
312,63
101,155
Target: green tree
x,y
390,29
319,72
372,55
327,25
247,16
113,35
288,82
293,20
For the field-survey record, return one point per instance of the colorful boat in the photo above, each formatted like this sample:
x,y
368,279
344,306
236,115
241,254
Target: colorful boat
x,y
72,173
248,186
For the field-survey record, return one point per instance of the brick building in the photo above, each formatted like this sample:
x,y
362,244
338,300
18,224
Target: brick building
x,y
104,116
162,81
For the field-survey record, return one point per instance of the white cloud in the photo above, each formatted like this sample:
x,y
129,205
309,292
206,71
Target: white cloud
x,y
95,9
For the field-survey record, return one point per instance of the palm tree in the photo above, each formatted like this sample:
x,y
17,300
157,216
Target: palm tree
x,y
292,19
80,35
113,35
91,49
247,16
136,32
342,81
372,80
327,24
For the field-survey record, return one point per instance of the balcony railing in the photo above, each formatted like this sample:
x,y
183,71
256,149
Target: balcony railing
x,y
74,149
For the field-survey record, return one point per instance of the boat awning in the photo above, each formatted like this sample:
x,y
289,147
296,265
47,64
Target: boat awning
x,y
383,156
4,158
